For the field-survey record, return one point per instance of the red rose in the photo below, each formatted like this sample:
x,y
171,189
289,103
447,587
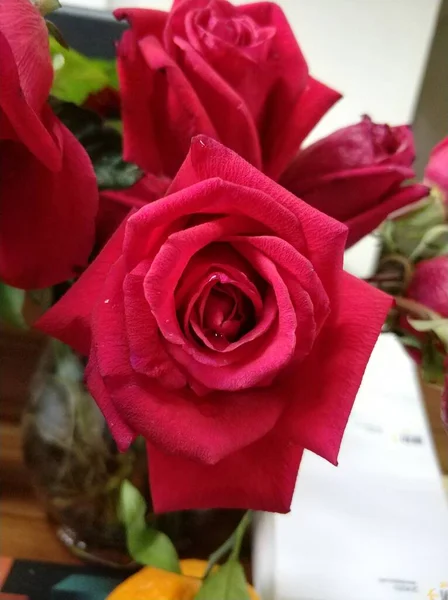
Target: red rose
x,y
356,174
48,193
222,328
234,73
436,172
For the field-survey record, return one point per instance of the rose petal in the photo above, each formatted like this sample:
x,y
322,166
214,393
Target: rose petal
x,y
299,269
27,36
323,389
41,210
234,124
315,101
116,204
19,121
217,197
346,194
121,432
147,354
261,476
143,21
69,320
160,116
278,128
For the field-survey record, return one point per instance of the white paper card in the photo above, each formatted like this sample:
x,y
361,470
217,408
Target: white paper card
x,y
376,527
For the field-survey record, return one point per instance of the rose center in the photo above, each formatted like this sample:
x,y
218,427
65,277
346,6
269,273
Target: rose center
x,y
226,313
235,30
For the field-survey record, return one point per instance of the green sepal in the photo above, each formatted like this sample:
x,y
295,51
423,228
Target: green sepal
x,y
404,234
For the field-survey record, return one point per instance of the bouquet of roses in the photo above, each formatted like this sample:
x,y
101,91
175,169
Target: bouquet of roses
x,y
414,268
199,244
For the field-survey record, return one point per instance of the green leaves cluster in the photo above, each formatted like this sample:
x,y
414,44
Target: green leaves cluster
x,y
76,76
103,144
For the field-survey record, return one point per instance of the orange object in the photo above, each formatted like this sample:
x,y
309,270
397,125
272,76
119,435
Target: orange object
x,y
155,584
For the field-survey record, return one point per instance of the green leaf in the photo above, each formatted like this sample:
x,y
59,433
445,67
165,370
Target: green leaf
x,y
102,143
146,545
76,76
11,305
229,583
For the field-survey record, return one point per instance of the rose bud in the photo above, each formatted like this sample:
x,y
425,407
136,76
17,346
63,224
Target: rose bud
x,y
429,288
429,284
356,174
221,327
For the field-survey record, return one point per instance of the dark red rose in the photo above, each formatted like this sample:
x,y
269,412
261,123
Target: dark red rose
x,y
221,327
48,192
356,175
234,73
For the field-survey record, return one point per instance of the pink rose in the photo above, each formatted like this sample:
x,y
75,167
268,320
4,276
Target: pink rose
x,y
48,192
429,288
222,328
356,175
234,73
436,172
429,284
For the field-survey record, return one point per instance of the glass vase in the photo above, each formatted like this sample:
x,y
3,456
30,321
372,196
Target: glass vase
x,y
77,471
